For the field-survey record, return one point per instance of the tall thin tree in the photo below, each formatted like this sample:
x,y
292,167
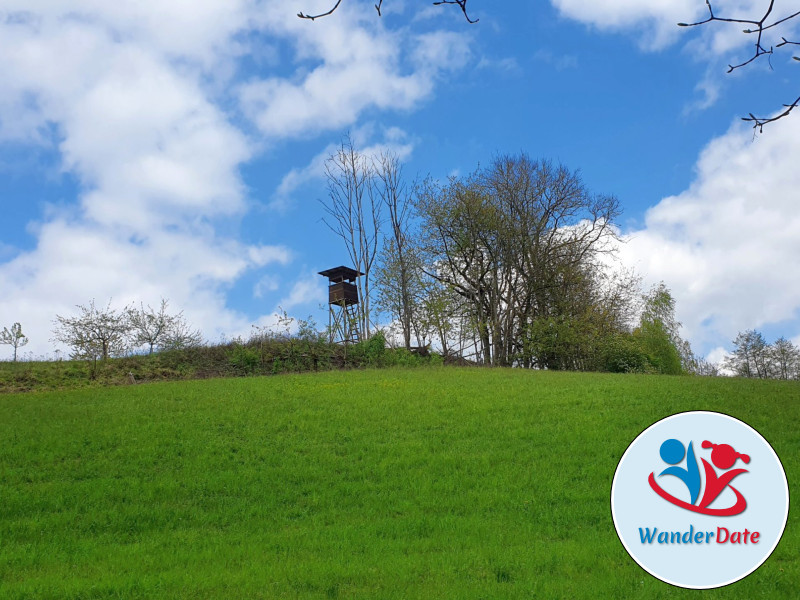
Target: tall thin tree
x,y
354,214
399,272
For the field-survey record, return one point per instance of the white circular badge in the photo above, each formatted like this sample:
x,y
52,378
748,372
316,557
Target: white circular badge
x,y
699,500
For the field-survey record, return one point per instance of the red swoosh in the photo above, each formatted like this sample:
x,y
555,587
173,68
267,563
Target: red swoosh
x,y
737,508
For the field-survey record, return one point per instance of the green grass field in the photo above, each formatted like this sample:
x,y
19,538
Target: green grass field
x,y
419,483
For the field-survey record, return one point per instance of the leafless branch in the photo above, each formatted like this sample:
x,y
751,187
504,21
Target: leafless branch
x,y
462,4
758,27
325,14
759,122
785,42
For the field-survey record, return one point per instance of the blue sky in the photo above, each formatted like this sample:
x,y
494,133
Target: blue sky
x,y
174,149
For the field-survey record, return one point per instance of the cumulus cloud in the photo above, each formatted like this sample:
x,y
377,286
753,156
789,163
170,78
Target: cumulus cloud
x,y
118,92
508,64
654,20
266,284
560,62
347,66
139,101
728,245
393,139
307,290
708,90
722,245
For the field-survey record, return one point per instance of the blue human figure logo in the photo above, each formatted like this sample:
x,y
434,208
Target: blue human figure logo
x,y
672,452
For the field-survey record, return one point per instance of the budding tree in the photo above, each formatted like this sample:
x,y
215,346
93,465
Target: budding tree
x,y
785,359
181,335
157,329
94,333
13,337
398,273
750,357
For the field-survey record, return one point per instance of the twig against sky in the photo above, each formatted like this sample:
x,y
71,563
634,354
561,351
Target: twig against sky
x,y
462,4
757,27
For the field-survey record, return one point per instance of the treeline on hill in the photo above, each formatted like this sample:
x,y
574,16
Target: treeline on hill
x,y
511,265
753,357
288,347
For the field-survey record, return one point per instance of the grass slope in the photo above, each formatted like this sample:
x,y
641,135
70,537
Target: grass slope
x,y
427,483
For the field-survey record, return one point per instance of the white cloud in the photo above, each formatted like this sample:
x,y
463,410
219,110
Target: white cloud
x,y
440,50
146,143
723,246
136,100
75,263
198,29
728,246
155,157
393,139
708,90
264,255
560,62
728,39
267,283
427,13
348,66
502,65
717,357
307,291
655,20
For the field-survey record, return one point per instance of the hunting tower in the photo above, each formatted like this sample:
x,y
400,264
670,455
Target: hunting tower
x,y
342,300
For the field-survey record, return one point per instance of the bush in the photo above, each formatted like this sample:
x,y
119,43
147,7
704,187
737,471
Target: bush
x,y
622,354
371,352
265,353
244,359
400,357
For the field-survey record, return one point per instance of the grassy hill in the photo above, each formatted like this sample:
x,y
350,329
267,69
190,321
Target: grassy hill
x,y
416,483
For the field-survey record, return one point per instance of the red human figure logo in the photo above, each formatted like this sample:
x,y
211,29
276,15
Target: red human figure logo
x,y
724,457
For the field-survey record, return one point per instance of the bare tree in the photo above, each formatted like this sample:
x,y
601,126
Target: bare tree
x,y
13,337
750,357
753,357
399,269
785,359
462,4
704,368
158,329
756,27
148,326
354,214
94,333
181,335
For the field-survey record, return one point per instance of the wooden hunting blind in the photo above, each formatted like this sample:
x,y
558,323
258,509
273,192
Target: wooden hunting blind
x,y
342,300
